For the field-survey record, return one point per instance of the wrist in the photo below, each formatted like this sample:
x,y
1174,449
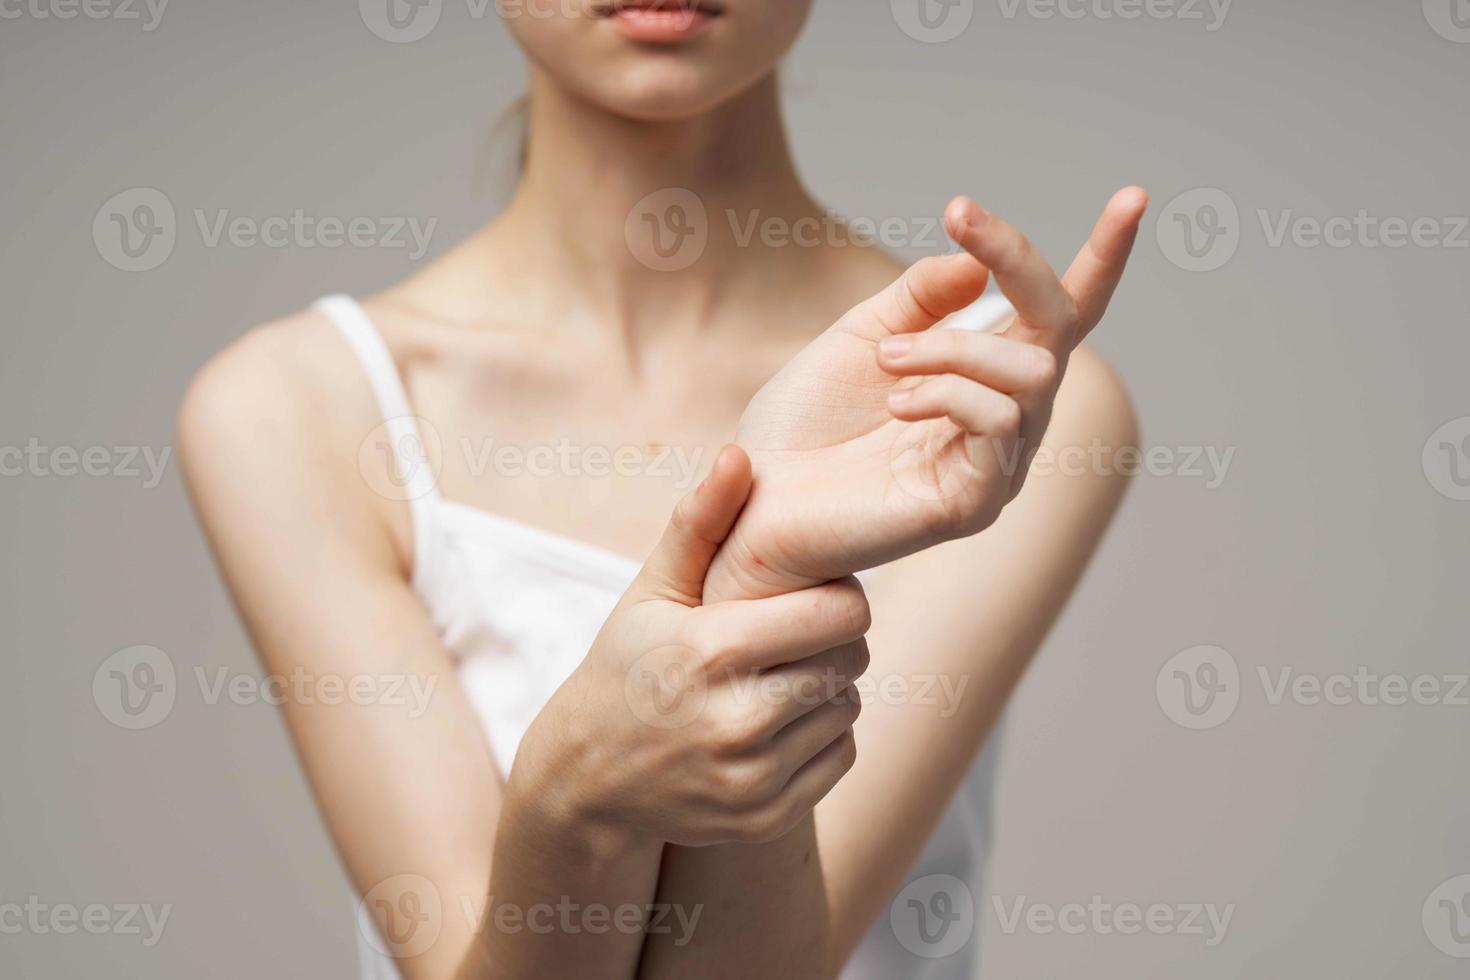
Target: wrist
x,y
552,797
737,573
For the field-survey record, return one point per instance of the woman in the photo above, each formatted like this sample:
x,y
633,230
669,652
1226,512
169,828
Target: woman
x,y
678,735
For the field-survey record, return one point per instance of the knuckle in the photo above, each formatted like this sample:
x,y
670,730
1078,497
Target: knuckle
x,y
732,730
853,660
1008,417
766,826
1017,251
845,608
945,347
1044,368
747,785
717,649
1071,315
681,521
847,753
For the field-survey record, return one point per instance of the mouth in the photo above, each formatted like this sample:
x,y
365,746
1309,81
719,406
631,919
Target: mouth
x,y
659,21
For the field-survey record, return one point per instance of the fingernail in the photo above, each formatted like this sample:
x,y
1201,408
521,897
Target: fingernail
x,y
976,216
896,346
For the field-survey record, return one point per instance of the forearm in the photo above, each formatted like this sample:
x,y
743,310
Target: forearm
x,y
766,911
766,905
568,896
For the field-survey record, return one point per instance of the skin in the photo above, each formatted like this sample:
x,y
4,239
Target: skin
x,y
788,819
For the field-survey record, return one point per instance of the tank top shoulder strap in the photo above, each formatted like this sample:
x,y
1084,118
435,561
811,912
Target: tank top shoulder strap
x,y
411,475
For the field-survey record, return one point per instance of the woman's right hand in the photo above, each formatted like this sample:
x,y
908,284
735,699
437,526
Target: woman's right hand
x,y
696,724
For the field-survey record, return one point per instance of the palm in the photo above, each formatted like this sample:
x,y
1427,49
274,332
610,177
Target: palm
x,y
843,485
860,459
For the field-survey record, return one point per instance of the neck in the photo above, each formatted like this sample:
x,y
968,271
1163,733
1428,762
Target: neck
x,y
583,223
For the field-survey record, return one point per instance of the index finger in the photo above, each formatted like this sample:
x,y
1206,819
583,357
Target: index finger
x,y
1047,313
757,634
927,292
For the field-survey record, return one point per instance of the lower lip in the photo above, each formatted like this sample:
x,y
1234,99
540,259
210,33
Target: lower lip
x,y
661,26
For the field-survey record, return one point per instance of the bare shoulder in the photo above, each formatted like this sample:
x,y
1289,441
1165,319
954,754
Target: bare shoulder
x,y
268,434
281,385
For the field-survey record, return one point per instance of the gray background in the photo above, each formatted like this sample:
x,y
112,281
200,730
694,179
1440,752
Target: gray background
x,y
1327,547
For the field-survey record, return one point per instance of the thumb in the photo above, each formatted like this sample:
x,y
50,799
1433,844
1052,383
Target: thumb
x,y
701,521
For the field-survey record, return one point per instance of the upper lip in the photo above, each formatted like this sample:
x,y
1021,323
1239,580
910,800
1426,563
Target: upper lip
x,y
607,8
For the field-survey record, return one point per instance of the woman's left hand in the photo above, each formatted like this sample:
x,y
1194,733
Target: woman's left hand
x,y
883,437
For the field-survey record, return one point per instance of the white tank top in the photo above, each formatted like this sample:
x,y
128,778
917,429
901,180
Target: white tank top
x,y
517,608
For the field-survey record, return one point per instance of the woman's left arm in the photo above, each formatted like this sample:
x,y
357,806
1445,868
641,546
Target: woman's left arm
x,y
954,630
842,491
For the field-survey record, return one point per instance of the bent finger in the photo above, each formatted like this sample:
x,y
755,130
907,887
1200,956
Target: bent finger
x,y
757,634
977,409
1003,363
927,292
1033,288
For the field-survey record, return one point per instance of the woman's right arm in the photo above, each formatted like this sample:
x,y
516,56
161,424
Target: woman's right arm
x,y
406,786
431,834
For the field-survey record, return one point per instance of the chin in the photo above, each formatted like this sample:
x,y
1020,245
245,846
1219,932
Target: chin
x,y
665,92
646,72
